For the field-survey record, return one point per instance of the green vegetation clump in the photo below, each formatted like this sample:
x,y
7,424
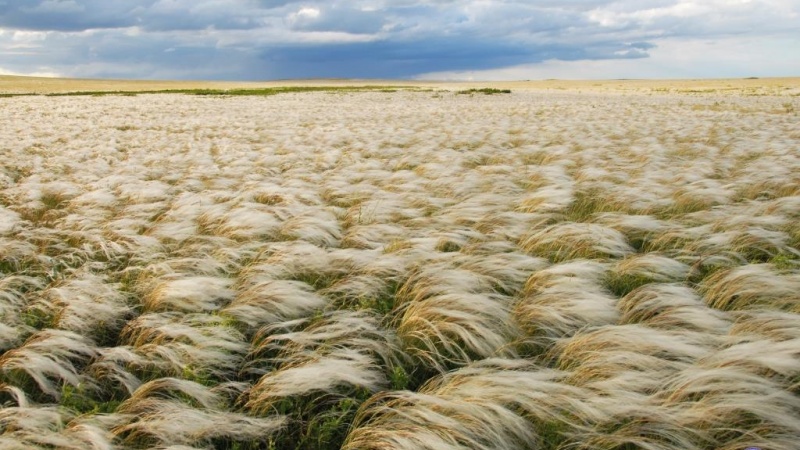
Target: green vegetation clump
x,y
257,92
251,92
485,91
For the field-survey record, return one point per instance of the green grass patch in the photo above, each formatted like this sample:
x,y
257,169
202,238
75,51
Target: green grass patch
x,y
257,92
786,261
587,203
37,317
80,401
485,91
622,284
318,421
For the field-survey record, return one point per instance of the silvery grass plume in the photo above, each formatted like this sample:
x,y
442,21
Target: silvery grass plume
x,y
507,271
749,244
729,405
13,303
670,306
603,353
188,294
27,425
202,265
240,222
340,369
562,299
555,189
334,355
491,404
565,241
174,411
372,236
638,270
112,370
363,291
194,345
273,301
639,229
450,316
770,324
777,361
296,260
48,358
8,220
381,208
753,286
9,336
21,257
318,227
84,303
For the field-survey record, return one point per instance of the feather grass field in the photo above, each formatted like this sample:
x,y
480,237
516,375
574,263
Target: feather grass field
x,y
410,269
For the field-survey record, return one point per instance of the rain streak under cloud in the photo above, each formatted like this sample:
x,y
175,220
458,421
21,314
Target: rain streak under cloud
x,y
444,39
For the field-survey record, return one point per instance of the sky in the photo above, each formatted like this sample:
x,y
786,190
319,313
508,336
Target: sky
x,y
402,39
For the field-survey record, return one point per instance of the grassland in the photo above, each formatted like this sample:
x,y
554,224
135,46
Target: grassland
x,y
368,265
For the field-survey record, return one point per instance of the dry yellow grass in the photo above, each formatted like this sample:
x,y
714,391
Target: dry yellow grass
x,y
573,265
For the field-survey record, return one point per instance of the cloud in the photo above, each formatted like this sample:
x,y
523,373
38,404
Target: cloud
x,y
43,74
673,58
334,18
69,15
257,39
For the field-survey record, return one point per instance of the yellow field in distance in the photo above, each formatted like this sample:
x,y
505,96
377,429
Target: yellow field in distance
x,y
739,86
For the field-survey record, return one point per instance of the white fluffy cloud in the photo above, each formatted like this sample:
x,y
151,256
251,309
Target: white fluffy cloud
x,y
258,39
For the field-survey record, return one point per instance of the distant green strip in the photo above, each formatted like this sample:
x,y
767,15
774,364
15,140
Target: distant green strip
x,y
234,92
486,91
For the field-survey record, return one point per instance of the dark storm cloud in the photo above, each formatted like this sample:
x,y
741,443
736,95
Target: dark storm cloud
x,y
384,59
69,15
273,3
162,15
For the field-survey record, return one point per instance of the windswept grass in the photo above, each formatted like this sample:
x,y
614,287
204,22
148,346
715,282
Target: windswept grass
x,y
237,269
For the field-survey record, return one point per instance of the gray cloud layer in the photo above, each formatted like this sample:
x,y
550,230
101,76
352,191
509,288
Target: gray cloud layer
x,y
259,39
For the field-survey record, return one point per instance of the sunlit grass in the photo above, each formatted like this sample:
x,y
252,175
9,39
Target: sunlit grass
x,y
374,267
